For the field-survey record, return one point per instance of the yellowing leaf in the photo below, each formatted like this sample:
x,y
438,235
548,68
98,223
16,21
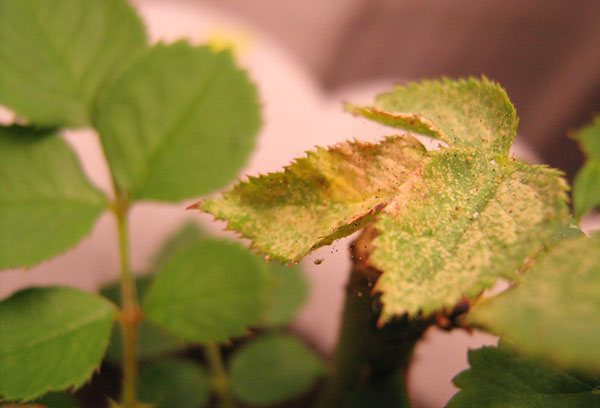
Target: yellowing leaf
x,y
319,198
448,223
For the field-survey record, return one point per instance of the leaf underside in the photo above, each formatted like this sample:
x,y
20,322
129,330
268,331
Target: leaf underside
x,y
499,378
448,222
554,310
46,202
52,338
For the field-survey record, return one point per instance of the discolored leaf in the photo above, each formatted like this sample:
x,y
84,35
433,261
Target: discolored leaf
x,y
59,55
464,224
464,113
52,338
174,383
273,369
178,123
320,198
553,312
210,292
46,203
447,223
500,378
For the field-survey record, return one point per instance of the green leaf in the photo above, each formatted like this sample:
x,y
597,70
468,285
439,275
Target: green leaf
x,y
46,203
273,369
174,383
320,198
210,292
589,139
586,188
153,341
178,123
58,400
465,113
58,56
52,338
448,223
185,236
288,291
499,378
554,310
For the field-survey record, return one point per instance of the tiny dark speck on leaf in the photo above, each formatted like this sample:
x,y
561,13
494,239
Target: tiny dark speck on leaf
x,y
318,261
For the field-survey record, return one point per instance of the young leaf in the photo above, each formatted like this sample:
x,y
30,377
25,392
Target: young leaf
x,y
210,292
499,378
586,186
52,338
465,113
178,123
58,56
448,223
554,310
288,291
320,198
273,369
174,383
46,203
153,341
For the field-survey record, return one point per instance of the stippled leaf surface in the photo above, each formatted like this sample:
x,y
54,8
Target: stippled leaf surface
x,y
586,186
499,378
210,292
554,310
448,222
465,113
46,202
174,382
273,369
179,122
325,196
57,56
52,338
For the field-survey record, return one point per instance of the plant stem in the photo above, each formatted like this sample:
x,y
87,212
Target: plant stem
x,y
370,362
130,310
220,378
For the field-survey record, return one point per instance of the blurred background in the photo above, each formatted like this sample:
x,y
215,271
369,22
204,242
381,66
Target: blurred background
x,y
307,57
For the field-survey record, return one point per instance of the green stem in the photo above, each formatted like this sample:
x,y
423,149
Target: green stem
x,y
130,310
220,378
370,361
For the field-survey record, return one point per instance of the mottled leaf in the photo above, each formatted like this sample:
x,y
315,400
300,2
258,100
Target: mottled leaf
x,y
174,383
52,338
153,341
586,186
466,222
554,310
287,292
320,198
273,369
499,378
178,123
210,292
57,56
465,113
46,203
448,223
